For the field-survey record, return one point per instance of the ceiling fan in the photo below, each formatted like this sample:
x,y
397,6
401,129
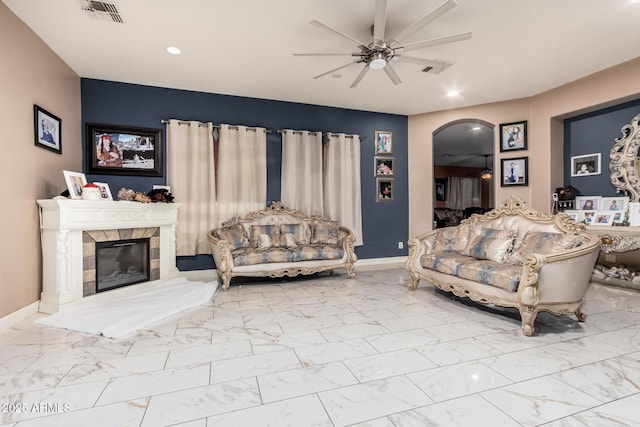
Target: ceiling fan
x,y
380,51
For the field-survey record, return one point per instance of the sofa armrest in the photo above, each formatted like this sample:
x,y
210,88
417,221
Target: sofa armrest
x,y
221,251
558,277
418,246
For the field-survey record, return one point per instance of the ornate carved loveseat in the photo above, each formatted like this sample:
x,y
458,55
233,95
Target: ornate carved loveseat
x,y
277,242
510,257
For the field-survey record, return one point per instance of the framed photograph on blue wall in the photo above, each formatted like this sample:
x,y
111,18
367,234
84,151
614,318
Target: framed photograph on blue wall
x,y
120,150
587,164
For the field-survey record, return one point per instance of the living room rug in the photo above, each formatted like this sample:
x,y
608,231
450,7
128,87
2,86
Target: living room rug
x,y
125,310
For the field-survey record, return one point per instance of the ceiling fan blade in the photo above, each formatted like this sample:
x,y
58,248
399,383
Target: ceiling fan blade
x,y
436,42
336,69
422,61
360,76
338,32
379,22
392,74
425,20
327,54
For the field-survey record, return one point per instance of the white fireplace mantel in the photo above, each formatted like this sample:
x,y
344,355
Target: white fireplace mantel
x,y
62,222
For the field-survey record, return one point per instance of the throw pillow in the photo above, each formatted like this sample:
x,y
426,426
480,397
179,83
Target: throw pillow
x,y
446,240
266,241
491,244
324,233
234,234
542,242
258,230
288,240
301,232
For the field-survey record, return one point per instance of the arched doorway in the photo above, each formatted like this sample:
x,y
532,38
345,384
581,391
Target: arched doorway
x,y
463,167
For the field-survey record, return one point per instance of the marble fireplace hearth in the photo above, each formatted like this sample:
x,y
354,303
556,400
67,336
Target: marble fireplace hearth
x,y
69,228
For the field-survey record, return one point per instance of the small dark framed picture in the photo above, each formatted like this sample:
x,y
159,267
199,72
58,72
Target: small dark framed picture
x,y
513,136
588,164
385,190
47,130
384,166
441,189
384,142
514,172
120,150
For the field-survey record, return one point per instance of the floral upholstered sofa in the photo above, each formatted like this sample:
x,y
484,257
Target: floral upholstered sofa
x,y
511,256
278,242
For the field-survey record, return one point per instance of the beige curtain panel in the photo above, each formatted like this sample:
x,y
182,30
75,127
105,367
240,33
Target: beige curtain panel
x,y
342,194
242,171
191,175
301,179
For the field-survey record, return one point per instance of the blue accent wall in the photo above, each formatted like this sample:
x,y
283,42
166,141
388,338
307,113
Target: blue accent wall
x,y
384,224
595,132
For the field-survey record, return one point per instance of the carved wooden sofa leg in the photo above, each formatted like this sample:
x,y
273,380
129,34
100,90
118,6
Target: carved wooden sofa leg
x,y
350,270
225,279
528,315
580,314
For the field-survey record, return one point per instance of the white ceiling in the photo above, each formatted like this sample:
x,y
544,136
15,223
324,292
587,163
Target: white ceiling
x,y
244,47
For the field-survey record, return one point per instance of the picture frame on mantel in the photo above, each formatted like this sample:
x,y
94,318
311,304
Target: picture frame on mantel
x,y
47,130
123,150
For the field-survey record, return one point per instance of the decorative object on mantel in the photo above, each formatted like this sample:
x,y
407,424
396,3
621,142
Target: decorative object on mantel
x,y
624,164
75,182
91,192
160,195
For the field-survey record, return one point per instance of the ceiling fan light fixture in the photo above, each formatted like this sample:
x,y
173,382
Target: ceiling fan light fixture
x,y
378,61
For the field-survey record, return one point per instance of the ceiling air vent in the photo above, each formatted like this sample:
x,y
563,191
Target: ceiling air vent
x,y
437,70
102,10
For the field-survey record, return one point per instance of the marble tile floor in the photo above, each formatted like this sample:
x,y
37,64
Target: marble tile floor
x,y
329,351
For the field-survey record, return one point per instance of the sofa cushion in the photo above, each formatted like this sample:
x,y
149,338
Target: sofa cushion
x,y
444,262
235,234
324,233
258,230
446,240
491,244
252,256
500,275
266,241
302,232
542,242
316,252
288,240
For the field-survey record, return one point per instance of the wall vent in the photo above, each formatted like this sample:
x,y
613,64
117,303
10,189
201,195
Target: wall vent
x,y
101,10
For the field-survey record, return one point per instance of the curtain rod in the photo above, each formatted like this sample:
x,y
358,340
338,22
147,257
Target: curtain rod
x,y
299,132
184,122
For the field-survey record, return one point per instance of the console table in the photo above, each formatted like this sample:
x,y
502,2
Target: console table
x,y
617,240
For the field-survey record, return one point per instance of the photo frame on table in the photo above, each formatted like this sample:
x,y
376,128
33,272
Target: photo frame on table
x,y
614,204
121,150
617,217
589,216
47,130
514,172
75,183
384,190
105,191
384,142
634,213
588,203
603,218
513,136
384,166
587,164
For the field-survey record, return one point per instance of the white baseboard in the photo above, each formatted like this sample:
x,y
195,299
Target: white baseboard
x,y
201,275
399,260
18,316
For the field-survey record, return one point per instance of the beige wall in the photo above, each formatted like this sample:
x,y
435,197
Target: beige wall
x,y
544,113
30,73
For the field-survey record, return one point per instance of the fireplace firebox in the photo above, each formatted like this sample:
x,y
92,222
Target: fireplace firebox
x,y
121,263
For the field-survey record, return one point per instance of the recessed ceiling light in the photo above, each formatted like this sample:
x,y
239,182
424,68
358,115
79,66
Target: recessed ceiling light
x,y
453,93
173,50
476,128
